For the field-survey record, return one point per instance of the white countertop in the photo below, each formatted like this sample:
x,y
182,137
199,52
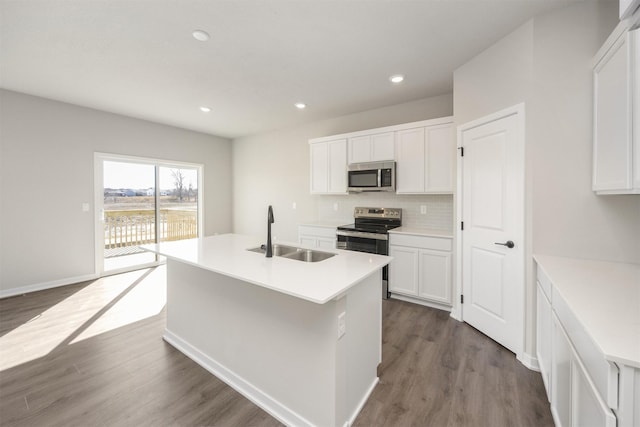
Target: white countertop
x,y
605,298
318,282
415,231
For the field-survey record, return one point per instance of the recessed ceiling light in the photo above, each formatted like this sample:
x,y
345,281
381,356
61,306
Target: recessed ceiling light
x,y
205,109
397,78
300,105
200,35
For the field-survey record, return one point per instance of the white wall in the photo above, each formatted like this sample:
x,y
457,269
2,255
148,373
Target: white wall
x,y
273,168
46,169
568,218
546,63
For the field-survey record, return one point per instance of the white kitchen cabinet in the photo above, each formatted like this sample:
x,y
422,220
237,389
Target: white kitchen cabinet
x,y
587,407
543,335
371,148
410,164
575,401
628,7
591,362
560,375
403,270
329,167
425,160
421,268
317,236
616,139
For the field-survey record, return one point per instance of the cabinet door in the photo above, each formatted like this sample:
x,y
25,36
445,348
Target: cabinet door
x,y
310,241
560,375
403,270
543,337
440,152
410,162
612,161
435,276
635,107
326,243
382,147
587,408
337,153
319,168
360,149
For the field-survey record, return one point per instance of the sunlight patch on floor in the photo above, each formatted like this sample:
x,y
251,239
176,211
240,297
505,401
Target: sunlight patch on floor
x,y
92,315
145,300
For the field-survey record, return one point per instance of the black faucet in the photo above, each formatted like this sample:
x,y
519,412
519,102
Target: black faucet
x,y
269,222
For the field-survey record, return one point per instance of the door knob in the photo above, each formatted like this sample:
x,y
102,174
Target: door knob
x,y
508,244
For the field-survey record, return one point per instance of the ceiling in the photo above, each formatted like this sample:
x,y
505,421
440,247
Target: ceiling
x,y
139,58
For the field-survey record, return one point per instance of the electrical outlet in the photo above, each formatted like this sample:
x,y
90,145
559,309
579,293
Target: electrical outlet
x,y
335,207
85,207
293,206
423,209
342,324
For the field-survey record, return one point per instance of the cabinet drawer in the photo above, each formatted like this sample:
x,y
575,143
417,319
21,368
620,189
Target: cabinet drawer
x,y
604,374
317,231
422,242
544,282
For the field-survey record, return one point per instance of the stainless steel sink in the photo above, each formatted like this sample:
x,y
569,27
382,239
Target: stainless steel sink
x,y
308,255
298,254
278,250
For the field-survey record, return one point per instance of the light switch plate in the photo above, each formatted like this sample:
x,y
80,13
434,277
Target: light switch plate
x,y
342,324
85,207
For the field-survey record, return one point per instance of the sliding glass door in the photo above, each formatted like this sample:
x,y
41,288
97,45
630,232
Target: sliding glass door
x,y
142,201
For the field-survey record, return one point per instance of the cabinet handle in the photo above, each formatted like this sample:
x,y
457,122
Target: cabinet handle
x,y
508,244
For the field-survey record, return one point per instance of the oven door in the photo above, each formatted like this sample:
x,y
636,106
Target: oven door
x,y
368,245
353,242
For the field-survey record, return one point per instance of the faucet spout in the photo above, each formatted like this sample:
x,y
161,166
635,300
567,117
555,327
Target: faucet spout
x,y
270,221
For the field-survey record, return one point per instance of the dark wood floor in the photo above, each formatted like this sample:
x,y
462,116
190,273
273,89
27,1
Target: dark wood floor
x,y
92,354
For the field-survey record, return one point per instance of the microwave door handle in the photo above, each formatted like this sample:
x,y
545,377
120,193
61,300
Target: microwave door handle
x,y
379,178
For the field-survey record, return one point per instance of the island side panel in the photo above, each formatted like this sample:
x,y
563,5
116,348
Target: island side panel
x,y
364,341
281,349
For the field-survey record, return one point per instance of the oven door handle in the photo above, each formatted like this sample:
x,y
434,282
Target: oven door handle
x,y
362,235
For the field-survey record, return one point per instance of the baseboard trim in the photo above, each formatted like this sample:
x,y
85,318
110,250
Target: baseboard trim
x,y
362,402
419,301
529,361
5,293
248,390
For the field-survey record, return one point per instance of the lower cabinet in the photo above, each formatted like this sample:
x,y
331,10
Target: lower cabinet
x,y
421,267
543,336
317,236
575,401
584,386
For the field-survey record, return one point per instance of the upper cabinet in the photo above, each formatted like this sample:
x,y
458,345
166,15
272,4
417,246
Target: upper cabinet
x,y
426,159
628,8
616,131
371,148
329,167
424,152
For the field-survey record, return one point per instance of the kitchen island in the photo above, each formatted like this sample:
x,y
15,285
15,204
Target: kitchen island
x,y
300,339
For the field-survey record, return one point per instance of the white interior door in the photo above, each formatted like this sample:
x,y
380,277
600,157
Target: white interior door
x,y
493,220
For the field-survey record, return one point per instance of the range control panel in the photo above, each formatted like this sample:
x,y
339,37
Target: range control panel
x,y
377,213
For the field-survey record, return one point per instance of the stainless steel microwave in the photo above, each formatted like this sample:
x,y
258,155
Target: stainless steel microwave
x,y
372,176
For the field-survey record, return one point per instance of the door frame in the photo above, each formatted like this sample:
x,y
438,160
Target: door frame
x,y
457,311
98,180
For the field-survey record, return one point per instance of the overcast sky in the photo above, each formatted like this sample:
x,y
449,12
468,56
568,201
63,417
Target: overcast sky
x,y
142,176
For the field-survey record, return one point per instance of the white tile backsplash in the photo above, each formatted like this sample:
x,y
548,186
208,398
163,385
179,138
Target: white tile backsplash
x,y
438,216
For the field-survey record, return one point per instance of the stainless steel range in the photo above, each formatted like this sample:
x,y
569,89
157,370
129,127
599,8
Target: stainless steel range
x,y
369,234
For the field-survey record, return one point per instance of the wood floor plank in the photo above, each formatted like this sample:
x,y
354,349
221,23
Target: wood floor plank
x,y
435,371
